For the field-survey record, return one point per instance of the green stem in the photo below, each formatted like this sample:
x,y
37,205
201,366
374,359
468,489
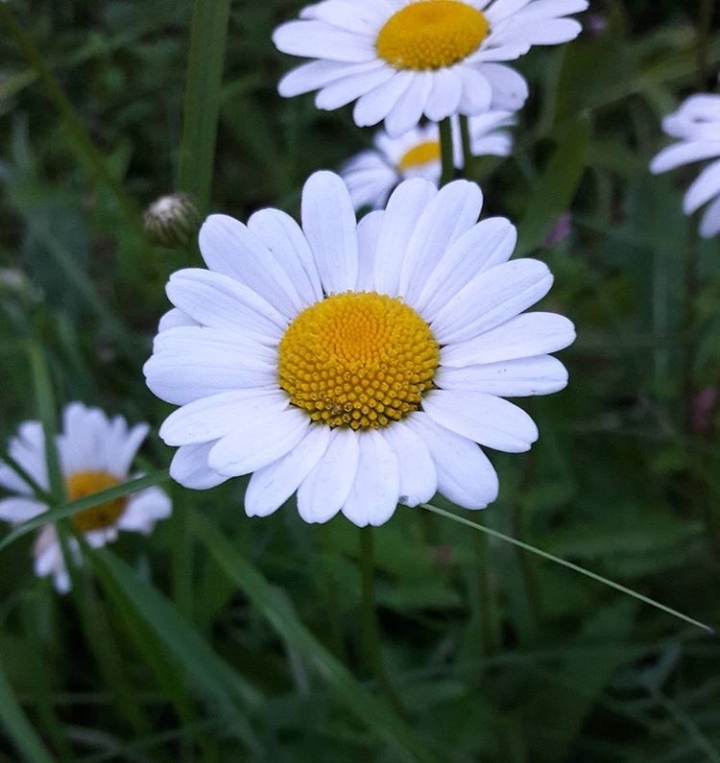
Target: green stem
x,y
371,629
465,142
446,152
569,565
485,604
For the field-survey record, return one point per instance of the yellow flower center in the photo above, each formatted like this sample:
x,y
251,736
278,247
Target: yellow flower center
x,y
417,156
431,34
358,359
103,515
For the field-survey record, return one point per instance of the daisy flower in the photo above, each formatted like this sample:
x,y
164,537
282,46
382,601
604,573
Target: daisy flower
x,y
402,59
371,175
696,124
356,365
95,454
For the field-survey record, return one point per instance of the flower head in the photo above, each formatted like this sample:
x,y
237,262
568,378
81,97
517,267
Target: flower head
x,y
404,59
696,124
359,365
95,453
371,175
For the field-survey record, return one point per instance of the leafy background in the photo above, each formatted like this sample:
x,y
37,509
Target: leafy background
x,y
222,638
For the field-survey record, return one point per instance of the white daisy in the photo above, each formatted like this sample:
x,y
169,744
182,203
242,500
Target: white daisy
x,y
358,365
371,175
95,453
697,126
401,59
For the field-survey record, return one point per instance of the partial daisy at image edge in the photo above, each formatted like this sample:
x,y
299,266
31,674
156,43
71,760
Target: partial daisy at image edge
x,y
355,365
399,62
95,454
696,125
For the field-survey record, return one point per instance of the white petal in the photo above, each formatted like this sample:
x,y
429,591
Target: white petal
x,y
230,248
710,224
375,105
523,336
374,495
464,473
445,95
328,220
491,298
324,491
144,509
485,419
485,245
541,375
549,32
509,89
418,476
476,95
409,107
368,233
271,485
452,212
213,417
312,39
318,74
189,467
221,302
404,208
345,90
684,153
259,441
20,509
174,318
706,187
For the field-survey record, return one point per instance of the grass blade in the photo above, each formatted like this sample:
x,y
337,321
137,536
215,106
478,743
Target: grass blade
x,y
569,565
275,608
202,98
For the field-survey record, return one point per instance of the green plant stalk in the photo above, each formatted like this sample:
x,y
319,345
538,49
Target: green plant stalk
x,y
569,565
81,142
488,643
705,18
371,630
202,98
17,726
446,152
466,148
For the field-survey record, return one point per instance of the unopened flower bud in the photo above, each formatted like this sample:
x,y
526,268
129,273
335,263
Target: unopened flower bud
x,y
172,221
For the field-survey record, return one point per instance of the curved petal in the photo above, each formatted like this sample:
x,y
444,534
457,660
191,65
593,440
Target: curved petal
x,y
324,491
271,485
418,476
20,509
328,220
374,495
485,419
464,473
190,468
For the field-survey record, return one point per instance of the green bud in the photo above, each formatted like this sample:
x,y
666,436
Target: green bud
x,y
172,221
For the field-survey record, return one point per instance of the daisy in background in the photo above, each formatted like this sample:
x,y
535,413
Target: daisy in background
x,y
371,175
696,124
358,365
95,454
402,59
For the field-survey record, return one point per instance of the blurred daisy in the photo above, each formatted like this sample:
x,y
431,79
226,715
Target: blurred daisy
x,y
696,124
371,175
402,59
95,454
357,365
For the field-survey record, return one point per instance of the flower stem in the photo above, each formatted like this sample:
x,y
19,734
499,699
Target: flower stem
x,y
446,152
465,142
371,630
703,40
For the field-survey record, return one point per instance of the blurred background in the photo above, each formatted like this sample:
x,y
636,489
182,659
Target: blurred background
x,y
183,648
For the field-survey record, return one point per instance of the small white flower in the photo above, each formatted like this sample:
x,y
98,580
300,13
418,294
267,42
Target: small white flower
x,y
358,365
95,453
402,59
371,175
696,124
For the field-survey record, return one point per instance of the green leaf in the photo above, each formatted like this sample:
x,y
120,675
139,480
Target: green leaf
x,y
556,188
202,98
87,502
375,714
18,727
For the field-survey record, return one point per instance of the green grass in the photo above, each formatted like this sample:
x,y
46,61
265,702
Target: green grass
x,y
221,638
